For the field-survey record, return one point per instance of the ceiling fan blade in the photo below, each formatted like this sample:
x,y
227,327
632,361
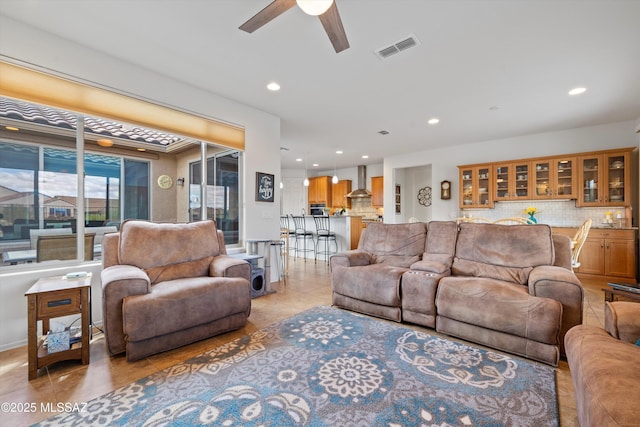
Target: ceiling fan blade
x,y
333,26
272,11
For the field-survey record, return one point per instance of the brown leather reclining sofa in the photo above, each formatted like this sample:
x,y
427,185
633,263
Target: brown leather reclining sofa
x,y
168,285
509,287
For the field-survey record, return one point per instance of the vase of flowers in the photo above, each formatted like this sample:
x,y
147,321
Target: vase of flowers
x,y
531,211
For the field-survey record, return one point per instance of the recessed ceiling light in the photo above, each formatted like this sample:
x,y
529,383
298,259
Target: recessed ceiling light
x,y
315,165
142,150
433,121
273,86
577,90
339,152
298,159
11,128
383,132
364,156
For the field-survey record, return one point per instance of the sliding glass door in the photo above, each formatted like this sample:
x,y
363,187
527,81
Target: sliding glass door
x,y
223,193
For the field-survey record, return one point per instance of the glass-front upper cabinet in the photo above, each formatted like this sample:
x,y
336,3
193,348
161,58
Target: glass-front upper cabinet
x,y
512,181
605,179
554,178
591,180
476,190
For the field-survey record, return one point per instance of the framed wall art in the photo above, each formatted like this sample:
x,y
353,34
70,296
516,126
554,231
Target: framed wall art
x,y
398,199
265,188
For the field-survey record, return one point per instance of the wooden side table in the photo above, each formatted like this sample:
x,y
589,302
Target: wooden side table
x,y
612,294
55,297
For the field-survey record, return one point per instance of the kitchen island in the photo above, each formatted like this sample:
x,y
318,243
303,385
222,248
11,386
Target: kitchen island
x,y
346,227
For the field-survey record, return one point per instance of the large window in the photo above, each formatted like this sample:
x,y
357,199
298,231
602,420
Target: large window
x,y
223,194
39,195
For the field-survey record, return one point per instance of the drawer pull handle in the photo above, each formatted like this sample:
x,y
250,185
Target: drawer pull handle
x,y
58,303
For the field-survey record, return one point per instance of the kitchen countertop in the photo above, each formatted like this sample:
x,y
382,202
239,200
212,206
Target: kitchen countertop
x,y
595,226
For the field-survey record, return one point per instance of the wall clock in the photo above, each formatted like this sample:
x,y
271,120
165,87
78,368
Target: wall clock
x,y
445,190
424,196
165,182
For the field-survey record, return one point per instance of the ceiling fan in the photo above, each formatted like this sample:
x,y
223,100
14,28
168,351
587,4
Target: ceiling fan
x,y
326,10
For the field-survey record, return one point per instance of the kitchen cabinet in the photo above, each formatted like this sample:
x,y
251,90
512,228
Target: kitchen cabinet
x,y
476,186
554,178
512,181
339,193
601,178
607,252
605,179
320,190
377,191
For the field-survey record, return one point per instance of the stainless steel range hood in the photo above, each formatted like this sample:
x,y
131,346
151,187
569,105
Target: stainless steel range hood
x,y
361,191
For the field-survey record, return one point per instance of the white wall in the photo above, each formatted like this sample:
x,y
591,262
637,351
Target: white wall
x,y
411,181
444,161
25,44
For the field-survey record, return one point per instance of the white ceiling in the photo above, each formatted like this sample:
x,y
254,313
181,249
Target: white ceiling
x,y
521,56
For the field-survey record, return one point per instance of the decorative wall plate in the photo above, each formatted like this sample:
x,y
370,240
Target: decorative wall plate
x,y
424,196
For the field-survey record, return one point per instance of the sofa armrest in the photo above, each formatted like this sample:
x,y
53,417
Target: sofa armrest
x,y
622,320
434,263
562,285
118,282
228,266
353,258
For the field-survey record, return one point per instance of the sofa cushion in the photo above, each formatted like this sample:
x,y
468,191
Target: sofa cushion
x,y
499,306
199,267
376,283
441,237
144,245
385,240
434,263
502,252
173,306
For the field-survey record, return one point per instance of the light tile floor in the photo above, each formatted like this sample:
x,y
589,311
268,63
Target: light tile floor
x,y
308,285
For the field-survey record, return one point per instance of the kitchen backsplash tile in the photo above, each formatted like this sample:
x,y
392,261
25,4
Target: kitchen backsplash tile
x,y
362,207
559,213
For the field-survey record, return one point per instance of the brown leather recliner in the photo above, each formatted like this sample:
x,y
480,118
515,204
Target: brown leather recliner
x,y
604,367
367,279
168,285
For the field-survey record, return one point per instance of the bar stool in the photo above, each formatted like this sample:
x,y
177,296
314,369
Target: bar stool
x,y
301,234
285,235
324,233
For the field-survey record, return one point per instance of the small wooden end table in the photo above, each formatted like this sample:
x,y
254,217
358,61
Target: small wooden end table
x,y
56,297
612,294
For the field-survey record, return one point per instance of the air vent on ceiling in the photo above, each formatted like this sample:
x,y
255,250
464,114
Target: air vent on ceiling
x,y
397,47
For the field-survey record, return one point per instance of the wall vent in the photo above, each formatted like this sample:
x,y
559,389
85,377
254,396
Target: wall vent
x,y
397,47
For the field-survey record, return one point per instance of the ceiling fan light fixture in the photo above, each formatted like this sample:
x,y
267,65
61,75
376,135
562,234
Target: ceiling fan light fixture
x,y
314,7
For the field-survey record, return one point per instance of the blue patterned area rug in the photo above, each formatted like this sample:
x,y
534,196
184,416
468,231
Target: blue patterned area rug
x,y
329,367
